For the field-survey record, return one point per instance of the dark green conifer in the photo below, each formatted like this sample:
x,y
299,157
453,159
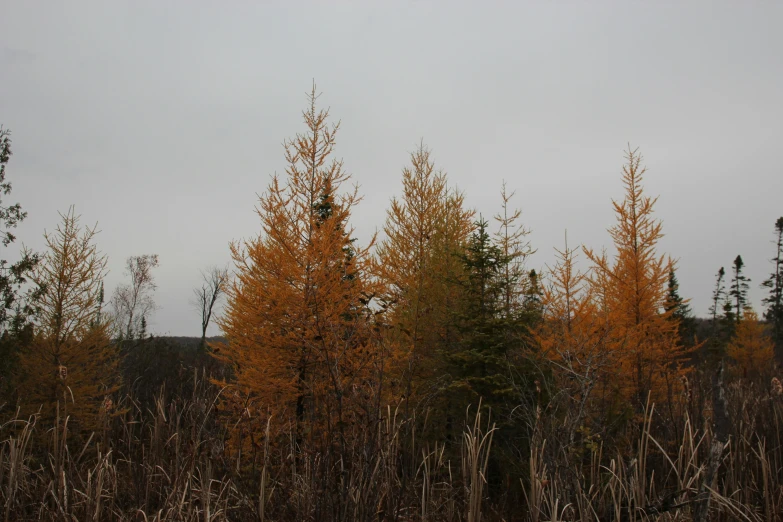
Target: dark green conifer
x,y
680,311
774,299
478,362
738,291
17,299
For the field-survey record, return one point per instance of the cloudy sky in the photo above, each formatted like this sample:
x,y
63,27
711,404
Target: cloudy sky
x,y
162,121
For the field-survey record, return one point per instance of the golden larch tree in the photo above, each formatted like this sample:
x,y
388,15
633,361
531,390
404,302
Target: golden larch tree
x,y
751,349
298,318
71,361
572,333
632,291
574,329
415,260
511,238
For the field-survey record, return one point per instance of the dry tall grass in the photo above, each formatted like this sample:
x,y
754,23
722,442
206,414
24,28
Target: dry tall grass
x,y
169,462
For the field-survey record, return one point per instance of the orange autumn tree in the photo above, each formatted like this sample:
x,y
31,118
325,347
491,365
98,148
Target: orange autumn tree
x,y
414,262
751,350
298,317
71,365
572,334
574,328
631,290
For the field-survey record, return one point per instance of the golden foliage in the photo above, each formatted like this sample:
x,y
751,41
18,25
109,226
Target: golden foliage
x,y
298,319
71,359
574,329
751,349
573,332
415,261
631,290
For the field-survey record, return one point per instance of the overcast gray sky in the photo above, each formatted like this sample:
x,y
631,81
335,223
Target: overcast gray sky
x,y
163,120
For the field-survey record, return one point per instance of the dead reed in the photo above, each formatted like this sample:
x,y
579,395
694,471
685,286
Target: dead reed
x,y
169,461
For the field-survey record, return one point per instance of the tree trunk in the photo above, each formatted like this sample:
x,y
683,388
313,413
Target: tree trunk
x,y
720,437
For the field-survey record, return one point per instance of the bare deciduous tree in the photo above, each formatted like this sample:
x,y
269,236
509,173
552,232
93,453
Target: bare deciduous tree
x,y
133,303
206,297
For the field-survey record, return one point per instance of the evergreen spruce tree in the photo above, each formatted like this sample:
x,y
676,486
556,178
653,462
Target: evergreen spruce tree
x,y
324,209
143,328
486,362
774,300
718,295
680,311
497,304
486,333
729,317
738,290
533,293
